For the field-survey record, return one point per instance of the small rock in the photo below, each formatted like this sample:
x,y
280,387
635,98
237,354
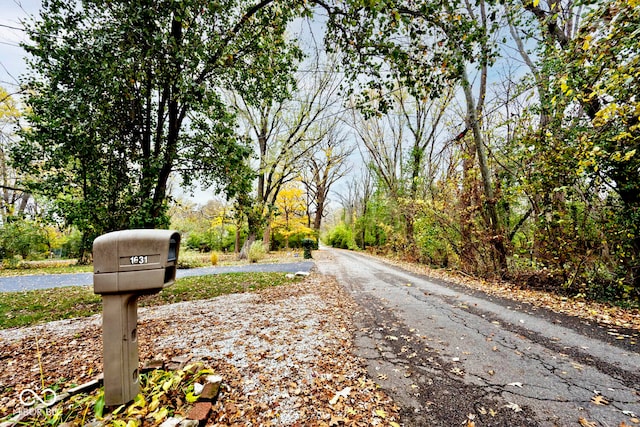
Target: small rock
x,y
197,389
214,379
189,423
172,422
150,365
209,392
200,412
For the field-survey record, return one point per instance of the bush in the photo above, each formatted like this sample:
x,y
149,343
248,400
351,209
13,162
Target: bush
x,y
192,259
214,258
257,251
308,245
197,242
24,238
71,245
341,237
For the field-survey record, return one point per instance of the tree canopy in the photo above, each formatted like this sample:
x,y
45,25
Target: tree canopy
x,y
124,94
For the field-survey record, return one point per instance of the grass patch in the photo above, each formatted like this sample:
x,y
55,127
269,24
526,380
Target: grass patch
x,y
31,307
32,269
20,309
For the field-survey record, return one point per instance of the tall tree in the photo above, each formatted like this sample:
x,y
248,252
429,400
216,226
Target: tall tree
x,y
398,145
125,93
284,132
427,47
13,200
327,164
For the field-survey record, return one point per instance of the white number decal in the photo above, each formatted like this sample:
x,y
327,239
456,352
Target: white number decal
x,y
139,259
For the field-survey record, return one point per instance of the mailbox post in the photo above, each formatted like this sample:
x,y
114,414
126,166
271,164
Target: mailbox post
x,y
127,264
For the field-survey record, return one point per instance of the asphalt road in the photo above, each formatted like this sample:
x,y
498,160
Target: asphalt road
x,y
452,357
27,283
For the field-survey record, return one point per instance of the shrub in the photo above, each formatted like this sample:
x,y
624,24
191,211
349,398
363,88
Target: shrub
x,y
214,258
341,237
308,245
192,259
257,251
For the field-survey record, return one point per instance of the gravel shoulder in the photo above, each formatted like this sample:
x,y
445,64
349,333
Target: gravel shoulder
x,y
286,355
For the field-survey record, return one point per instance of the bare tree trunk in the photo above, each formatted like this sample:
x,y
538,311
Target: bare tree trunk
x,y
473,122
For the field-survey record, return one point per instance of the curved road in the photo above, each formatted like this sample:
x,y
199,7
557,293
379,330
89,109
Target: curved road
x,y
28,283
451,356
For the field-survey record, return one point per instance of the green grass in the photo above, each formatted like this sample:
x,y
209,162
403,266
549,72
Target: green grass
x,y
19,309
27,269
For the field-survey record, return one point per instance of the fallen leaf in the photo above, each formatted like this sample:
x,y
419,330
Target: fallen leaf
x,y
516,384
513,406
599,400
381,413
335,421
342,393
584,423
457,371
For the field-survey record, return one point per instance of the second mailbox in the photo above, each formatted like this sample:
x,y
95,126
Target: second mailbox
x,y
135,260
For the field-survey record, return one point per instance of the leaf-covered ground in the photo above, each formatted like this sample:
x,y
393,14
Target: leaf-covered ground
x,y
284,353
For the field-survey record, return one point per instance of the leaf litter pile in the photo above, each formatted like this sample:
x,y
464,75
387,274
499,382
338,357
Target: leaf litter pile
x,y
284,354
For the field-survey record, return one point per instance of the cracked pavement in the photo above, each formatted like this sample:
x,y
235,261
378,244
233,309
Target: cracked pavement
x,y
450,356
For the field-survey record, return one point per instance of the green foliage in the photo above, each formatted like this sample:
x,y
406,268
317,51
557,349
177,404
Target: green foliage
x,y
72,245
341,236
424,46
558,189
122,95
278,241
580,171
216,238
22,238
433,243
308,245
197,241
206,228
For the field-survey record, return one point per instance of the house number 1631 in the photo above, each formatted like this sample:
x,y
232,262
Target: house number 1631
x,y
139,259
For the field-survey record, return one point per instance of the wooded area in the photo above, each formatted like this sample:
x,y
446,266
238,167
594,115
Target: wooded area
x,y
497,139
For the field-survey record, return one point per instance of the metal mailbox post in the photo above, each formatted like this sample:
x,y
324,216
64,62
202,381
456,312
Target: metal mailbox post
x,y
127,264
